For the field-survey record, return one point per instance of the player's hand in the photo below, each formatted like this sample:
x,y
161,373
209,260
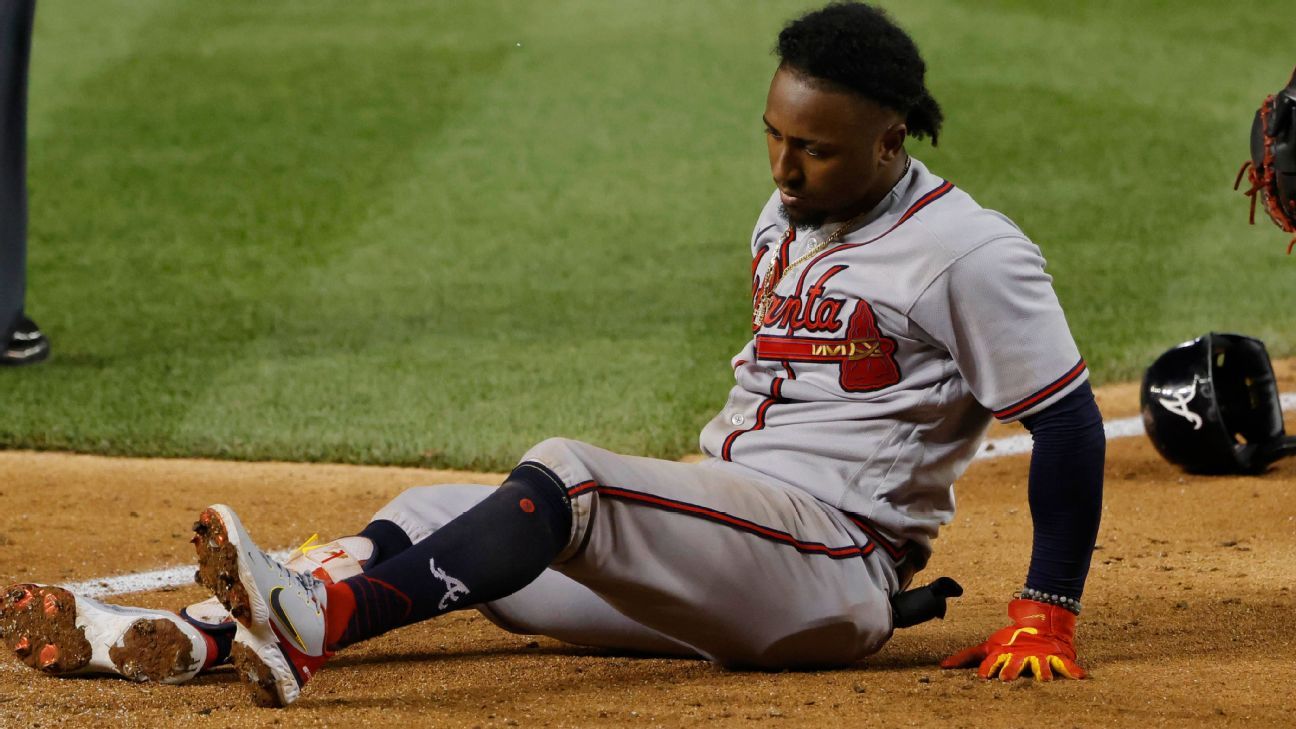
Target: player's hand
x,y
1041,639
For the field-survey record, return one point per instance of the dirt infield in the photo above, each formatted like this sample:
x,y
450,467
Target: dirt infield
x,y
1188,615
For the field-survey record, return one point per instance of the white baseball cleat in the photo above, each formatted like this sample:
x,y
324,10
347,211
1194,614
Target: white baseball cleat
x,y
61,633
329,562
280,641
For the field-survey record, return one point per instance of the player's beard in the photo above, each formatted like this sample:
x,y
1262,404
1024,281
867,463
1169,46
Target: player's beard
x,y
802,222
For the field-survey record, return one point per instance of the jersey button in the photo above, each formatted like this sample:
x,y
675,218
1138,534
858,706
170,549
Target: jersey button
x,y
738,419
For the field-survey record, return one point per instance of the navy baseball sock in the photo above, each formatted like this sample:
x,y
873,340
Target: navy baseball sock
x,y
388,541
490,551
219,638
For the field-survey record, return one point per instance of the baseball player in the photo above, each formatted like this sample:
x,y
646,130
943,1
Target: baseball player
x,y
892,319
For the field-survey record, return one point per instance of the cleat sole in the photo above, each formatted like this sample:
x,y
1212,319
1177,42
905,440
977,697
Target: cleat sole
x,y
218,566
39,625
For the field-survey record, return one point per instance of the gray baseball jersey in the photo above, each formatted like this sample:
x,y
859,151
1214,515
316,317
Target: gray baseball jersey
x,y
879,363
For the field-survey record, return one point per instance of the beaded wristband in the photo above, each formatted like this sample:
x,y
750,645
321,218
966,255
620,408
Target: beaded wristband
x,y
1067,603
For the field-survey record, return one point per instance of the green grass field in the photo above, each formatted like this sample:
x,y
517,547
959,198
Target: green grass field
x,y
436,233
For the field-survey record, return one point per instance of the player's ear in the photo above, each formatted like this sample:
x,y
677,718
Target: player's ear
x,y
891,143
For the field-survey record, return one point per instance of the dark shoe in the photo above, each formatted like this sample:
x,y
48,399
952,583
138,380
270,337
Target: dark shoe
x,y
25,346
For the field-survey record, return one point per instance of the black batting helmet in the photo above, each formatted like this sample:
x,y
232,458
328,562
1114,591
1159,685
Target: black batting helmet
x,y
1211,406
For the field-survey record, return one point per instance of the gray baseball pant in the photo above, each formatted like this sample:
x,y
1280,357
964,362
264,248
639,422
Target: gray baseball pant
x,y
700,559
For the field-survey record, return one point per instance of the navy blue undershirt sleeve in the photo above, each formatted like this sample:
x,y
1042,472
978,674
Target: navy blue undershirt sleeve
x,y
1066,480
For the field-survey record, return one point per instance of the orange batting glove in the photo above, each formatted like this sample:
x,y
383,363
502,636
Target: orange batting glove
x,y
1041,638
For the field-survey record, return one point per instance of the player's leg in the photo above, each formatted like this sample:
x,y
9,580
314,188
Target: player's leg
x,y
494,556
290,622
65,634
552,605
744,542
15,51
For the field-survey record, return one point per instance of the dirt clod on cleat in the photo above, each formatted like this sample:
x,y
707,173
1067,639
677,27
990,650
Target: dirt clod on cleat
x,y
152,650
39,625
256,675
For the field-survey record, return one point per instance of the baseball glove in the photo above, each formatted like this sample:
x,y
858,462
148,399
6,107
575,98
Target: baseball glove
x,y
1272,167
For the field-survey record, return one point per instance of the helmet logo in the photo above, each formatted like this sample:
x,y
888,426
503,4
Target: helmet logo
x,y
1176,401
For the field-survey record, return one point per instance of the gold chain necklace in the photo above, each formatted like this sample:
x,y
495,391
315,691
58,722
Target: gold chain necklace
x,y
768,285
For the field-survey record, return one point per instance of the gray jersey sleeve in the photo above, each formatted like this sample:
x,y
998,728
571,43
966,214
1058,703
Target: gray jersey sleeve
x,y
994,309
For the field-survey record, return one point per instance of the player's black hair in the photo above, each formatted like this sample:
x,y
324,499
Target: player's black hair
x,y
858,48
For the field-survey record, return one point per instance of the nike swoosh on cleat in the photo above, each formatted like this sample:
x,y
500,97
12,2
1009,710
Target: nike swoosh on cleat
x,y
278,611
